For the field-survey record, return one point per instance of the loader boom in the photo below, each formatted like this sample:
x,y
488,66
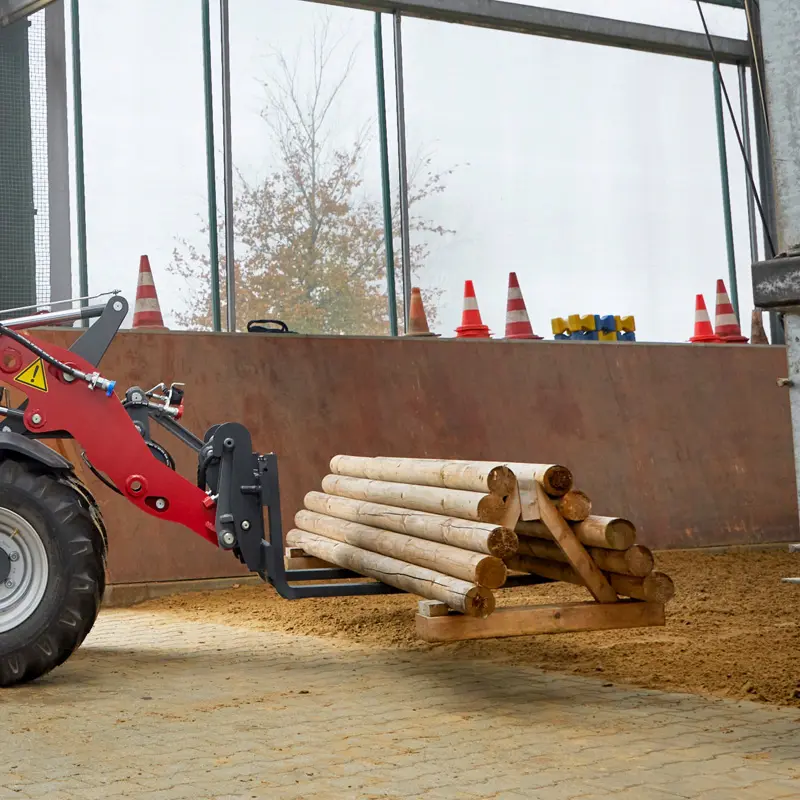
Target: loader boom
x,y
67,398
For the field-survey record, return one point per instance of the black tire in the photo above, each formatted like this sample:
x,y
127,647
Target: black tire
x,y
64,515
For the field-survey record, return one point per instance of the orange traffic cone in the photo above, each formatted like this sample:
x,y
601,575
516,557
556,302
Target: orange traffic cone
x,y
726,326
703,332
147,311
518,325
417,321
472,326
757,333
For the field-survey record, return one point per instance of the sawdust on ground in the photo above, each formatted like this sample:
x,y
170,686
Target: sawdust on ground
x,y
733,628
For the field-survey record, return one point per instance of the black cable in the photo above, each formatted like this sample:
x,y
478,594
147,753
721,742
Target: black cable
x,y
736,129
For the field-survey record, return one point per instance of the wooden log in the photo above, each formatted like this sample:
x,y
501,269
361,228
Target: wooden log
x,y
470,476
581,561
484,570
554,478
609,533
612,533
448,502
655,588
636,560
574,506
531,620
475,601
480,537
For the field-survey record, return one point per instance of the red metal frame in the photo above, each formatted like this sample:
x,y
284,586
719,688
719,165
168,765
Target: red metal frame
x,y
107,434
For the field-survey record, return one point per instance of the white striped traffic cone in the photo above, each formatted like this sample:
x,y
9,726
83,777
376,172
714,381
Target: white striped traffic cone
x,y
518,325
726,326
147,311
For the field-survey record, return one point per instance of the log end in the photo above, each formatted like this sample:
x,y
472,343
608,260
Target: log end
x,y
639,560
658,588
503,542
557,480
620,533
491,572
492,508
574,506
479,602
501,480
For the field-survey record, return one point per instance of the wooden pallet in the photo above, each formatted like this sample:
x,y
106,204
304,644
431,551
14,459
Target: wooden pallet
x,y
436,623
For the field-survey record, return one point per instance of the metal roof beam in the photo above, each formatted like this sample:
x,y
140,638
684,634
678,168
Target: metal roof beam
x,y
518,18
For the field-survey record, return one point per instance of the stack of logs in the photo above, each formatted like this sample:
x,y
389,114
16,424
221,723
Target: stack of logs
x,y
451,531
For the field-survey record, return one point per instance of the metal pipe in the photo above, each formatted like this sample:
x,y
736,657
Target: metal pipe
x,y
80,186
60,302
211,172
227,156
726,192
764,155
386,188
55,317
405,233
58,191
751,205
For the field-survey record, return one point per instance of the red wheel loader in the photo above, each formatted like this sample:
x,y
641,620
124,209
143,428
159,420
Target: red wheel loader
x,y
53,542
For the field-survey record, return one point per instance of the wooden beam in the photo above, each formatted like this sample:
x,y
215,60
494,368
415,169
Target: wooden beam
x,y
531,620
432,608
297,558
575,552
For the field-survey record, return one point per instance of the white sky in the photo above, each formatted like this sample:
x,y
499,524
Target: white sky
x,y
593,172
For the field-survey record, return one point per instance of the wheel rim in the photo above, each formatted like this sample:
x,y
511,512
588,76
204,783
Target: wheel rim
x,y
23,588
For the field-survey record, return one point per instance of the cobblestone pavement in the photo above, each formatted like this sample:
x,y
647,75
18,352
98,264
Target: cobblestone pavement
x,y
152,707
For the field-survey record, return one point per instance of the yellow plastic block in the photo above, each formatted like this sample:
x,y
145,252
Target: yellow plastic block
x,y
578,322
606,336
559,325
625,323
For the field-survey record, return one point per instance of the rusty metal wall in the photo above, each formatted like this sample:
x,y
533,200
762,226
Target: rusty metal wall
x,y
691,442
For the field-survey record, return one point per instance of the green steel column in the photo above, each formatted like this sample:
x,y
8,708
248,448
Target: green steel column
x,y
726,193
211,173
17,212
80,186
386,190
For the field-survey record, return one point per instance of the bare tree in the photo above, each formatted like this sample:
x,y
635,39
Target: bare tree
x,y
310,243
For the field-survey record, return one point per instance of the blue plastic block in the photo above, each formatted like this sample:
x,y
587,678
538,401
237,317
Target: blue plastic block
x,y
607,323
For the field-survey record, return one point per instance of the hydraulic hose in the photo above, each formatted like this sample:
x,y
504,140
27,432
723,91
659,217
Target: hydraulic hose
x,y
93,379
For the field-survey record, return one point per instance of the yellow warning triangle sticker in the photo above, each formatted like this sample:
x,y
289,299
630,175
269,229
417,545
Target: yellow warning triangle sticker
x,y
33,375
